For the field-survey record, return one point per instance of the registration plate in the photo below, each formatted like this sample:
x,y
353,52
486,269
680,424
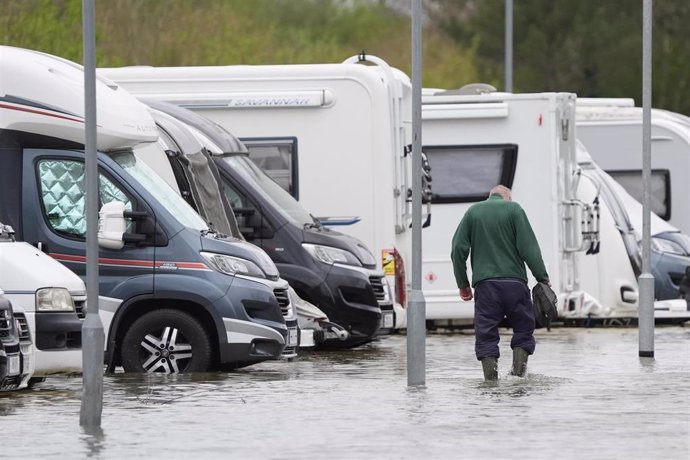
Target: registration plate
x,y
387,321
292,337
14,367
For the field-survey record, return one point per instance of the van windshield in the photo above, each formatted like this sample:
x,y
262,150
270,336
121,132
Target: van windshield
x,y
290,208
155,185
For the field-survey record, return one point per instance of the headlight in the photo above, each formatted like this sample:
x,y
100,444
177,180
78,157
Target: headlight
x,y
365,255
233,265
663,245
262,260
54,299
331,255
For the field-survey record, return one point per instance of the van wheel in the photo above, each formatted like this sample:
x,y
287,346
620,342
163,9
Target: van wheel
x,y
166,341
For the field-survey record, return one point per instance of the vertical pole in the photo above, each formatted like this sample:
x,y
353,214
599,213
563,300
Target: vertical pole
x,y
92,329
646,280
508,46
416,306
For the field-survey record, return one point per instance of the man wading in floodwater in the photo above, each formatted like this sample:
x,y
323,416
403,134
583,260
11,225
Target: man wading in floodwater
x,y
499,239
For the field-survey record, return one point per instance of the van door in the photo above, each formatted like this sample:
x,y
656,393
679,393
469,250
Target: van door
x,y
54,218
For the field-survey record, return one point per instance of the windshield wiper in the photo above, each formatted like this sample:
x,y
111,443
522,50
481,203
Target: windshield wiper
x,y
315,224
209,230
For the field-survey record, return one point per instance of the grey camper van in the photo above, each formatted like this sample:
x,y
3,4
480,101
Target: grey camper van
x,y
175,295
213,207
334,271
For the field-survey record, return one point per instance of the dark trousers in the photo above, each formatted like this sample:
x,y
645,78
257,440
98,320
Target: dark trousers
x,y
494,300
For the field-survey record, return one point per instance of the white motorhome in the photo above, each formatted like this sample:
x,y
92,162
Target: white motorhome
x,y
670,248
611,130
525,142
334,135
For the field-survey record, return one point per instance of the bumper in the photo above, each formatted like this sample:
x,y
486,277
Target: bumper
x,y
57,342
388,322
16,366
292,340
57,331
253,320
10,370
347,298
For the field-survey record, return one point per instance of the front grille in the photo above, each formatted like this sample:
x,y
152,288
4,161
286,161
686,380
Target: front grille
x,y
23,326
12,349
5,323
283,300
80,307
377,285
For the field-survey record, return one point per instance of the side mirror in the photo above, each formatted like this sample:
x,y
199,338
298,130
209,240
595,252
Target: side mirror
x,y
112,225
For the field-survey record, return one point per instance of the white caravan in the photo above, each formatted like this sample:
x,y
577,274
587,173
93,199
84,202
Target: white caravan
x,y
334,135
611,130
525,142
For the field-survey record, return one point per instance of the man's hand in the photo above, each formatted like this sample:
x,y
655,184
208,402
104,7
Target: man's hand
x,y
466,293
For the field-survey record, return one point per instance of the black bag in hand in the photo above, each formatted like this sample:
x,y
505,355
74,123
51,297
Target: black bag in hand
x,y
545,301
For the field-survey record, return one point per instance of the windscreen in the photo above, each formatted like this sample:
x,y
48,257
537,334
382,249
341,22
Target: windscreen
x,y
282,200
161,191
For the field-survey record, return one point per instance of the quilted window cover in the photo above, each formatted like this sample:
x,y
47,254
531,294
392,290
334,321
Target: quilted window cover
x,y
64,195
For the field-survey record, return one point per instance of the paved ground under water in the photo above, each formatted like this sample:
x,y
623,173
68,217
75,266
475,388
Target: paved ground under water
x,y
587,395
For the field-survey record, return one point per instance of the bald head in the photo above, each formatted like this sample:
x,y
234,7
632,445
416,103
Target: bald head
x,y
503,191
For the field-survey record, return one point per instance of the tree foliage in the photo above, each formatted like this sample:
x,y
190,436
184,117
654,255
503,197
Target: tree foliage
x,y
592,48
224,32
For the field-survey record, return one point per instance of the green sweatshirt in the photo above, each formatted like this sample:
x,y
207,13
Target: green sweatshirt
x,y
499,239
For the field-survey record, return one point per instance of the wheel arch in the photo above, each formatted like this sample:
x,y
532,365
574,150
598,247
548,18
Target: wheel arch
x,y
132,310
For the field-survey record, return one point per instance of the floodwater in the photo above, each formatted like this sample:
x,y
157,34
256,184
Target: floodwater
x,y
587,395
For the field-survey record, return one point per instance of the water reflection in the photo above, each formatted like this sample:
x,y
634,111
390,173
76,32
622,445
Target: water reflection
x,y
142,390
10,402
93,440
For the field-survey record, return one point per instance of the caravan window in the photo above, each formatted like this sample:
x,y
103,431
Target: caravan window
x,y
466,173
63,195
277,156
660,190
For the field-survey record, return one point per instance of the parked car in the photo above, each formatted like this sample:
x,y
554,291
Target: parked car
x,y
16,349
53,300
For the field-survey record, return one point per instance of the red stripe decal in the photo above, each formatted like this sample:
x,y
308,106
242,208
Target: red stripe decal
x,y
188,265
40,112
68,257
131,262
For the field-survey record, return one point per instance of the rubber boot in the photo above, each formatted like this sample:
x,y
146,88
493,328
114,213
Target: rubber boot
x,y
490,368
519,362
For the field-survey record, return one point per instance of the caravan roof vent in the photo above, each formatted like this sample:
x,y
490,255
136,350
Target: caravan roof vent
x,y
470,89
